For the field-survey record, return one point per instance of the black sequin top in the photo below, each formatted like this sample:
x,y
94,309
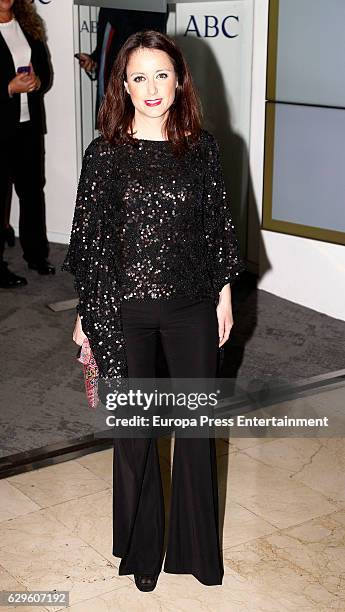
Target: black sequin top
x,y
147,225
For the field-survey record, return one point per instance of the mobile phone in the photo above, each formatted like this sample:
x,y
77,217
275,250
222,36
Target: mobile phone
x,y
22,69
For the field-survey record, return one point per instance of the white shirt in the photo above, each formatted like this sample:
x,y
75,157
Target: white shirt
x,y
21,53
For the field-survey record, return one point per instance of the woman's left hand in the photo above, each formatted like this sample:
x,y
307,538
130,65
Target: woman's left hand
x,y
36,80
224,314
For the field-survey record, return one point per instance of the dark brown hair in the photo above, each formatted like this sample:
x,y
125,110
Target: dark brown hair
x,y
116,112
28,18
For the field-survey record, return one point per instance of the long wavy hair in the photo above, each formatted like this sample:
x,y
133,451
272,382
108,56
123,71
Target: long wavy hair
x,y
116,113
28,19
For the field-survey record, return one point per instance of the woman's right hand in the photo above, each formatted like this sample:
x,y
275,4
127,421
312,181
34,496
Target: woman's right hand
x,y
22,83
78,334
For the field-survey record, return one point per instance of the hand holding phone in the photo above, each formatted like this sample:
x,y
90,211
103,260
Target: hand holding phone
x,y
25,81
87,63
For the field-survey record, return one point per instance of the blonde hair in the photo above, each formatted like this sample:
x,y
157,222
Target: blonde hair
x,y
28,19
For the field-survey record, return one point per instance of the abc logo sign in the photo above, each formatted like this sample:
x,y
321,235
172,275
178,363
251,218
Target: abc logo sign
x,y
210,26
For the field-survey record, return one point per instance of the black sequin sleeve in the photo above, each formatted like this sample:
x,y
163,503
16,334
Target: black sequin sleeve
x,y
92,261
85,246
83,225
225,263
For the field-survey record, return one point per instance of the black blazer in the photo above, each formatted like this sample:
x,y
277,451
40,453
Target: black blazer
x,y
10,107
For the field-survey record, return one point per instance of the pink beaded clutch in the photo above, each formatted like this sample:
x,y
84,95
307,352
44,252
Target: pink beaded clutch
x,y
91,373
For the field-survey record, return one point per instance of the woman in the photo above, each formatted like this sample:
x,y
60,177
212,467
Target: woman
x,y
25,76
153,251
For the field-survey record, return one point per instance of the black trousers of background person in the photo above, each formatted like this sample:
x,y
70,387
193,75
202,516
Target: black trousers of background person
x,y
22,163
189,335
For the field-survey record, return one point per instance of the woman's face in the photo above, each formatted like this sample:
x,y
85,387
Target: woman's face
x,y
151,81
6,5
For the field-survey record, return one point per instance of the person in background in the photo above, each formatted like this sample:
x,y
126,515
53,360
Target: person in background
x,y
114,26
24,78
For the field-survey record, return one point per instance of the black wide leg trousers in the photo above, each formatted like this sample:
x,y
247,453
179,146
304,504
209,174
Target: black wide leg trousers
x,y
189,333
22,164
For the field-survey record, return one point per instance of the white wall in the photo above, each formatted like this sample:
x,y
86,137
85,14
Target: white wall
x,y
308,272
216,38
60,141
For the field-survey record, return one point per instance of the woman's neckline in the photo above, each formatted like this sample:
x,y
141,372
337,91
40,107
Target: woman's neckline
x,y
148,140
5,23
151,139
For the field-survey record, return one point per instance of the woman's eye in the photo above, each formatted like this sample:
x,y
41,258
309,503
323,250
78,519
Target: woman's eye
x,y
137,79
163,75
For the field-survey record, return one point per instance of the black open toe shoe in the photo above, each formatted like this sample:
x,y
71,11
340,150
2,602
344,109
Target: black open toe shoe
x,y
146,582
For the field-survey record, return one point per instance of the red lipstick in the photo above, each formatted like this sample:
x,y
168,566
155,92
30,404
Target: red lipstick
x,y
153,102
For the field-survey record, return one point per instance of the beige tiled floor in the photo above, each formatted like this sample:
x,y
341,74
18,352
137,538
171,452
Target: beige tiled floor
x,y
282,512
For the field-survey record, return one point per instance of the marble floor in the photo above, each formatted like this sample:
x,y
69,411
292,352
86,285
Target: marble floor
x,y
282,512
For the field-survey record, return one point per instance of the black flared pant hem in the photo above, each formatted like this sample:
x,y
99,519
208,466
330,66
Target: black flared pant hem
x,y
210,582
216,581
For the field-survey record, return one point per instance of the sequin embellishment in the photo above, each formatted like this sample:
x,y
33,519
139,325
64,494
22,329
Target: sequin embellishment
x,y
147,225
